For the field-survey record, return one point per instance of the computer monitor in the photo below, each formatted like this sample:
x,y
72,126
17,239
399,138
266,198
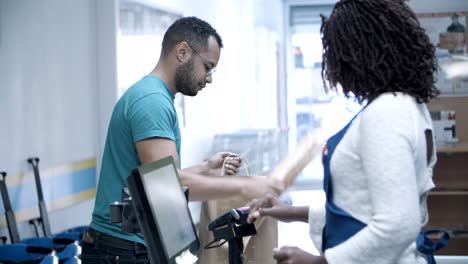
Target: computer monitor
x,y
162,211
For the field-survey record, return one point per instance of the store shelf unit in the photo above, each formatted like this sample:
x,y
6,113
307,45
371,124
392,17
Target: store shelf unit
x,y
448,202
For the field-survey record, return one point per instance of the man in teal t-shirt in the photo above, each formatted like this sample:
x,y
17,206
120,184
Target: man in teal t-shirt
x,y
144,128
146,110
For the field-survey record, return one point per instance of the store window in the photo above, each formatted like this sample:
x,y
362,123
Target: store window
x,y
310,108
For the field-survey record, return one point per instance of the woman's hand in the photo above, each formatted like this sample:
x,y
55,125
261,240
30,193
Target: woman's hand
x,y
269,205
295,255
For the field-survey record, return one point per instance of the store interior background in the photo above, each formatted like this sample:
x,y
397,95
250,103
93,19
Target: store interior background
x,y
62,69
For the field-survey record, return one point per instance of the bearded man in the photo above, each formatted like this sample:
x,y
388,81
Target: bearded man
x,y
144,128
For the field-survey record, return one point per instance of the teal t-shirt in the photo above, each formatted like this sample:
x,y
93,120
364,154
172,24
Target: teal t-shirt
x,y
145,110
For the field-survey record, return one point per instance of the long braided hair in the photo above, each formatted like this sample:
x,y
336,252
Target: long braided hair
x,y
377,46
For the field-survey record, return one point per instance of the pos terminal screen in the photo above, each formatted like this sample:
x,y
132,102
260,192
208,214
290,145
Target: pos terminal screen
x,y
162,210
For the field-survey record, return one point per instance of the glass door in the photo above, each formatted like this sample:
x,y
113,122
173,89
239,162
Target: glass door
x,y
310,108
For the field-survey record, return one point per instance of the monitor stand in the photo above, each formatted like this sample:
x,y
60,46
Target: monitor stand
x,y
236,249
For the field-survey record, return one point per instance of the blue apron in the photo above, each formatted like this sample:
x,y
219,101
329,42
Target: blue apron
x,y
340,225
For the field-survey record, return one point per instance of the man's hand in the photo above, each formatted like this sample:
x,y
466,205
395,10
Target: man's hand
x,y
295,255
223,163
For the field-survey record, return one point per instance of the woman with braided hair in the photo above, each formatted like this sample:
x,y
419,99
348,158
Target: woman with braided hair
x,y
378,168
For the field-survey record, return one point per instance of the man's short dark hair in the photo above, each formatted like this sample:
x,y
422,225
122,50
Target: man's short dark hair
x,y
192,30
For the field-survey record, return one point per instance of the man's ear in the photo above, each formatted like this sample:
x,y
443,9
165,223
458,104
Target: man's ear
x,y
183,52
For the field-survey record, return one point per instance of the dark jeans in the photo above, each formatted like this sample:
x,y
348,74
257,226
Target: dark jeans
x,y
101,248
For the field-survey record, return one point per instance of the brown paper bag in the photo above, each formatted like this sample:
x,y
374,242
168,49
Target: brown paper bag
x,y
258,249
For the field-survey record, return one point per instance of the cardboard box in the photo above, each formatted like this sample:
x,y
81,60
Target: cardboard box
x,y
452,40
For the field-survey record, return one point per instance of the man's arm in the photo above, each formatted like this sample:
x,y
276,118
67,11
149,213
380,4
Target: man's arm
x,y
204,187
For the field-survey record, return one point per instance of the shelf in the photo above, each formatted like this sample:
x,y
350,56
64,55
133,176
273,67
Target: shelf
x,y
447,192
460,147
460,234
456,247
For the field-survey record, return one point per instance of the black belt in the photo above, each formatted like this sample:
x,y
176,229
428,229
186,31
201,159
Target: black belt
x,y
95,238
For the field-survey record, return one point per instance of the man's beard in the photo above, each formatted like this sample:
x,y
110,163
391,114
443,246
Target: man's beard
x,y
184,81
